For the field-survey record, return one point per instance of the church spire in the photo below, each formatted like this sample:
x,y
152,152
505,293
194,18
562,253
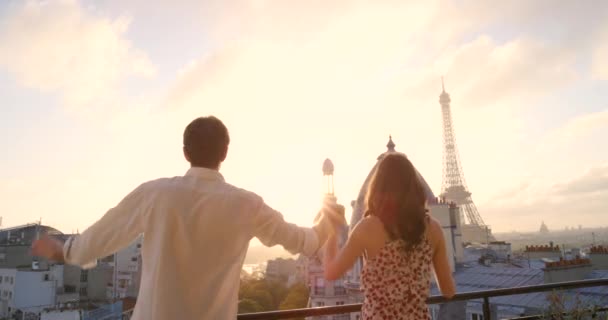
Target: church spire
x,y
390,145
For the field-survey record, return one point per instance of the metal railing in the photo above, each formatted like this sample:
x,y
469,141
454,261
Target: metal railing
x,y
484,295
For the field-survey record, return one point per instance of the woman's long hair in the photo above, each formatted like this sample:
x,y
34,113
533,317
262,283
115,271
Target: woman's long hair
x,y
396,196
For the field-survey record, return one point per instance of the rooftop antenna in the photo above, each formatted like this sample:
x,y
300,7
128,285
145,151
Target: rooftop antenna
x,y
442,86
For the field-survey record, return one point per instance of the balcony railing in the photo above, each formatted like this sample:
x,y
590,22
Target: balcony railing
x,y
484,295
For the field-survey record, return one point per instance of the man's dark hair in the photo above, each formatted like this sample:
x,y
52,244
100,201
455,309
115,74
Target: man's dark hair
x,y
206,140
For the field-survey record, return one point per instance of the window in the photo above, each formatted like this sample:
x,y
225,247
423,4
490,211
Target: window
x,y
0,279
320,304
339,290
320,286
434,313
10,294
476,316
46,277
83,291
134,259
340,303
84,276
12,280
5,278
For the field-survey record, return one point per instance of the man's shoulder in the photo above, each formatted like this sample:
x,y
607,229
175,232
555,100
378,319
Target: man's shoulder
x,y
174,183
159,182
241,193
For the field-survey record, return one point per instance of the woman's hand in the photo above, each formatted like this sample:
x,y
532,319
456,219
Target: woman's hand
x,y
335,216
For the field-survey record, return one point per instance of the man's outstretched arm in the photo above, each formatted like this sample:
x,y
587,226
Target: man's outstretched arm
x,y
115,230
271,229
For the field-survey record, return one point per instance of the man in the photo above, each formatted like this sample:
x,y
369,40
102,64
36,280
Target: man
x,y
196,232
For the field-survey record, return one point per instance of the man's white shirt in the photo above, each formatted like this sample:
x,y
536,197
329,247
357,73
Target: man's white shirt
x,y
196,230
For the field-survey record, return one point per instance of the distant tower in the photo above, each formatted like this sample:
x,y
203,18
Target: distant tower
x,y
453,186
543,228
328,175
322,291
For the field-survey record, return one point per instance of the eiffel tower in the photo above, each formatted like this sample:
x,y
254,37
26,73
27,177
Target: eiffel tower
x,y
453,186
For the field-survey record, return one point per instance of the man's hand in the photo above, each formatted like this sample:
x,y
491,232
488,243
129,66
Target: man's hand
x,y
329,220
335,214
49,248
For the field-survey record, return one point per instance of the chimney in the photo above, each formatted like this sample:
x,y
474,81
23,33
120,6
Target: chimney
x,y
448,219
502,249
567,270
455,224
599,257
543,252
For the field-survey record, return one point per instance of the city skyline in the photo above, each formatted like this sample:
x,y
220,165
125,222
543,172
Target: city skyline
x,y
95,101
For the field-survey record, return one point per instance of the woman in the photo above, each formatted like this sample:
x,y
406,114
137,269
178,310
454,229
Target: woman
x,y
398,241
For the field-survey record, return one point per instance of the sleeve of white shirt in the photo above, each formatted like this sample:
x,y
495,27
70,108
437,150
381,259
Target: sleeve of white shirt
x,y
116,229
271,229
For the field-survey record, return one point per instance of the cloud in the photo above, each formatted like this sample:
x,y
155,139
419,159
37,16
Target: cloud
x,y
486,72
599,63
375,68
299,82
61,47
391,50
555,189
583,125
574,142
594,181
581,199
586,210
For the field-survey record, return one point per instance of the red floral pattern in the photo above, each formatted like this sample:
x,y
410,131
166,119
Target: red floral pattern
x,y
396,283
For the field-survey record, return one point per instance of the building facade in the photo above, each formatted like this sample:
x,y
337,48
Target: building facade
x,y
29,285
280,269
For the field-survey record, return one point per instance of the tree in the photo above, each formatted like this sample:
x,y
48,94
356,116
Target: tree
x,y
268,294
249,306
278,290
296,298
264,298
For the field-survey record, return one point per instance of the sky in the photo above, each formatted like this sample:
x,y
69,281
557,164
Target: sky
x,y
96,94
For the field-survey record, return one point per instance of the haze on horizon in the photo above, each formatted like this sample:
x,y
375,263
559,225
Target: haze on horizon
x,y
95,97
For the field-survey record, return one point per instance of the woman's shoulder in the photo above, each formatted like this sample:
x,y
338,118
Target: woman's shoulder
x,y
369,223
369,227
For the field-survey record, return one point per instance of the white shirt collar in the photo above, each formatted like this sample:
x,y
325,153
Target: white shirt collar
x,y
204,173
